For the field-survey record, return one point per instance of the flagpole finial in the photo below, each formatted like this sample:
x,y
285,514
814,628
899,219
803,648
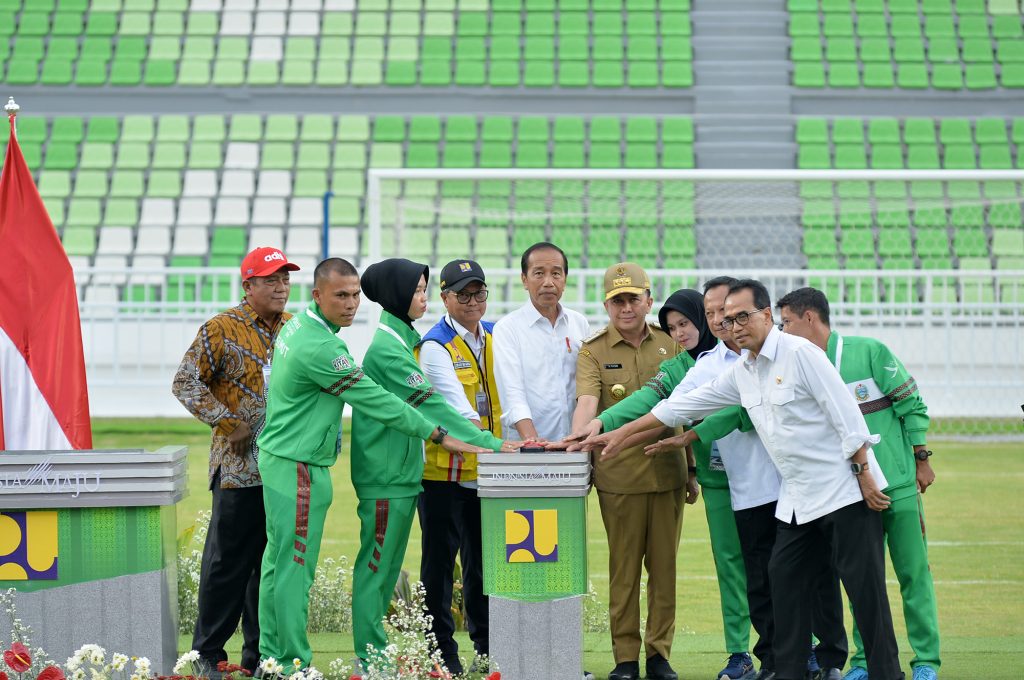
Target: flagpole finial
x,y
12,107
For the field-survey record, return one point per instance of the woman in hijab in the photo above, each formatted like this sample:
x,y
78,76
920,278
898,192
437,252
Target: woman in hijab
x,y
387,466
682,317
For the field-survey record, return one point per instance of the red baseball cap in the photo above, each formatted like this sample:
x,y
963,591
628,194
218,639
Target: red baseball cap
x,y
264,262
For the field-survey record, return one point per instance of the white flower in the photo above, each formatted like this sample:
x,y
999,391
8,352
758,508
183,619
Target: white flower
x,y
297,675
278,669
136,676
297,662
143,666
269,664
72,664
186,660
119,662
97,674
97,656
78,674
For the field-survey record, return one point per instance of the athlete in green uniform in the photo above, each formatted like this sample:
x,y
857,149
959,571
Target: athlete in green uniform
x,y
387,465
725,542
893,408
313,377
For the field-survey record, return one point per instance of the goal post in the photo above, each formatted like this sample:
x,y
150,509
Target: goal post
x,y
930,262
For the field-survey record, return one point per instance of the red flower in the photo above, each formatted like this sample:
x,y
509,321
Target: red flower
x,y
3,676
494,676
18,658
51,673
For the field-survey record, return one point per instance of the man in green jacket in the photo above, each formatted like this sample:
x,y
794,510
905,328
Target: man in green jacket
x,y
313,377
893,408
387,465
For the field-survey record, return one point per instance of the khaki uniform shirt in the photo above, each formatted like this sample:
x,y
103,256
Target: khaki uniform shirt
x,y
610,368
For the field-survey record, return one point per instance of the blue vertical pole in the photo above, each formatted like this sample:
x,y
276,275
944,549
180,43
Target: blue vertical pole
x,y
326,237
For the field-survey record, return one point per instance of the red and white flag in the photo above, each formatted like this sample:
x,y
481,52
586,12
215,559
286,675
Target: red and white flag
x,y
43,396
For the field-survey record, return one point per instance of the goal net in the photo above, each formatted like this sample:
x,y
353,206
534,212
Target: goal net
x,y
931,262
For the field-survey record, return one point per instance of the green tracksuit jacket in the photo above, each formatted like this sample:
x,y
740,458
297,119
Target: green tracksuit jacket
x,y
892,406
313,377
387,463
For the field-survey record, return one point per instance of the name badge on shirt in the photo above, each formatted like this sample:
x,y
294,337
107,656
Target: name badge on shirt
x,y
483,408
266,375
610,366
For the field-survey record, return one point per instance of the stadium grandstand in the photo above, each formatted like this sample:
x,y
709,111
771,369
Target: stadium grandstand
x,y
168,137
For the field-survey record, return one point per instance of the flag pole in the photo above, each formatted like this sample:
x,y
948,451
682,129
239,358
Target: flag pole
x,y
12,108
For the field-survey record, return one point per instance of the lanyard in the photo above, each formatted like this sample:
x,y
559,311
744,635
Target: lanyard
x,y
260,333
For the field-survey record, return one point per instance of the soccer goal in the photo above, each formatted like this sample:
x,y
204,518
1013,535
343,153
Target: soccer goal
x,y
932,262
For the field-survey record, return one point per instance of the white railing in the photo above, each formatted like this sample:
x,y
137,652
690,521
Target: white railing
x,y
963,340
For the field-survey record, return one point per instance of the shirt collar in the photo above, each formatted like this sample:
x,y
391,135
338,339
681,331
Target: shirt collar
x,y
407,332
462,331
256,319
314,310
771,345
616,337
533,315
830,347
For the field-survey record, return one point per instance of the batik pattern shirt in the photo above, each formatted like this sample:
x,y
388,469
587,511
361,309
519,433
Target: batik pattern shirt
x,y
220,381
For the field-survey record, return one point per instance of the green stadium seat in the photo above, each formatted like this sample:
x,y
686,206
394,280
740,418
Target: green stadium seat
x,y
809,74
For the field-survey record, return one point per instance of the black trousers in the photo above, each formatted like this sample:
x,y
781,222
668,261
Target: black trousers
x,y
757,528
229,579
850,541
450,523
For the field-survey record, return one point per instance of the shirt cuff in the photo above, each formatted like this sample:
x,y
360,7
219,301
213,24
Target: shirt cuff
x,y
516,413
853,441
663,412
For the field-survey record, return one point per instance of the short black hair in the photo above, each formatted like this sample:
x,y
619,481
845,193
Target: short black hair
x,y
333,265
802,299
543,245
762,300
718,281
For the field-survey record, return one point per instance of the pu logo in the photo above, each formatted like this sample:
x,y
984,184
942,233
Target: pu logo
x,y
276,255
531,535
28,545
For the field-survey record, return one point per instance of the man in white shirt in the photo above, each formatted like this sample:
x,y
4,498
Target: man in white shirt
x,y
535,351
457,358
831,485
753,490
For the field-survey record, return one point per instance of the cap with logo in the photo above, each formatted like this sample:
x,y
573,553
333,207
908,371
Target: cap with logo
x,y
458,274
264,262
625,277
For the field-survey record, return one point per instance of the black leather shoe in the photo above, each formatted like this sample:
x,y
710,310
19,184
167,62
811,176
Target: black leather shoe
x,y
765,674
627,670
658,668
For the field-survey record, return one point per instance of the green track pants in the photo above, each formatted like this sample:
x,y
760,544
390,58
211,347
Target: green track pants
x,y
732,581
384,526
903,524
296,497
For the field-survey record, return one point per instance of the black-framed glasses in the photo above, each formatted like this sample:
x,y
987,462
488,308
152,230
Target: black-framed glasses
x,y
479,296
740,319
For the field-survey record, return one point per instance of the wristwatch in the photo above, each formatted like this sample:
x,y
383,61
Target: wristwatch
x,y
439,437
923,454
858,468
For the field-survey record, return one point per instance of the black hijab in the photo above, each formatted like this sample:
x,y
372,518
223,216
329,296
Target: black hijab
x,y
391,283
690,304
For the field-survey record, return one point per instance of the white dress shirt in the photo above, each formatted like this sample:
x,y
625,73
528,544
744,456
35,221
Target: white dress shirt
x,y
437,366
753,477
805,416
535,366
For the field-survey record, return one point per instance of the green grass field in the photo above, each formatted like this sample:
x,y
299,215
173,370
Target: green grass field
x,y
975,514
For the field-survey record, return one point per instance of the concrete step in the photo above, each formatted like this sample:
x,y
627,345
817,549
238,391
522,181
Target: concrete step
x,y
751,157
720,73
699,6
722,134
713,48
750,105
743,120
740,25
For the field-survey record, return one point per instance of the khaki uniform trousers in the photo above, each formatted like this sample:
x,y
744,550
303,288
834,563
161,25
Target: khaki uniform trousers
x,y
643,529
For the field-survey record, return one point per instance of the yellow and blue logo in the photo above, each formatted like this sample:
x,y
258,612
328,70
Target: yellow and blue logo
x,y
531,535
28,545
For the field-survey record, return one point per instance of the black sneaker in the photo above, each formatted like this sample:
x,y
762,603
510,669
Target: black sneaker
x,y
627,670
453,664
658,668
765,674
